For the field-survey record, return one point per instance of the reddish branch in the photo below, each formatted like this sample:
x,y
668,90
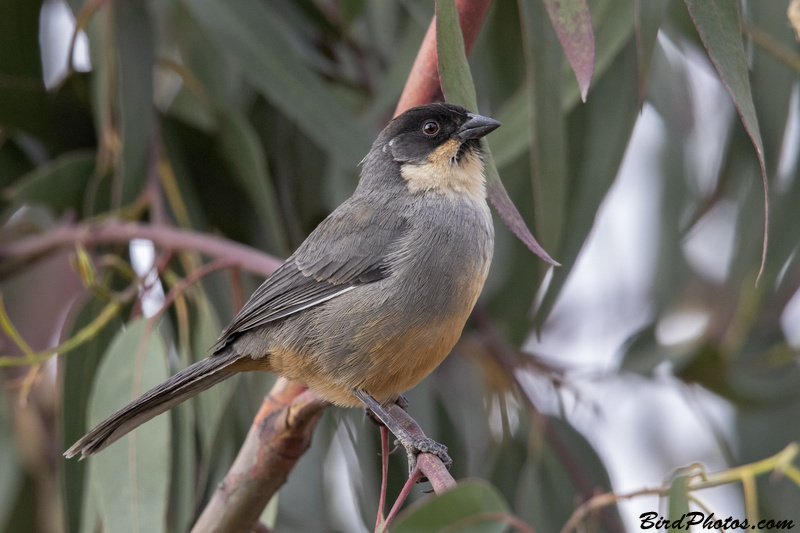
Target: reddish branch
x,y
114,231
280,435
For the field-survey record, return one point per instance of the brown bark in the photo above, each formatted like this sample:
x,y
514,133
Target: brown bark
x,y
280,434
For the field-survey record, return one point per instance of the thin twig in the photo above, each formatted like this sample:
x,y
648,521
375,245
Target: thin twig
x,y
115,231
410,482
384,475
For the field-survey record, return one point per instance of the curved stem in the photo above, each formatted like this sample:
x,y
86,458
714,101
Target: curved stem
x,y
115,231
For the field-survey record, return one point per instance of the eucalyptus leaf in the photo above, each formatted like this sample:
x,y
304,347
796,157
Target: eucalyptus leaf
x,y
472,506
573,25
260,44
79,369
134,63
243,153
458,88
130,478
717,22
678,503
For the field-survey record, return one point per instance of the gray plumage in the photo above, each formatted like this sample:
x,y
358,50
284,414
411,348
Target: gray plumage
x,y
378,293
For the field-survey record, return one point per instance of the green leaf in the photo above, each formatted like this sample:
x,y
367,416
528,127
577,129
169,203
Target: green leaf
x,y
512,140
543,61
598,134
717,22
79,370
678,504
22,92
243,153
11,473
457,86
212,404
454,72
552,486
471,506
130,479
573,25
60,184
256,38
134,62
649,15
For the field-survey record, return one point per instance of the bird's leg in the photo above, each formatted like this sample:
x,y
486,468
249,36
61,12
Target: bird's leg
x,y
413,445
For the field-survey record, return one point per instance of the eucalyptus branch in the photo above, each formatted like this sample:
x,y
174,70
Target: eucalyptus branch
x,y
280,434
115,231
778,464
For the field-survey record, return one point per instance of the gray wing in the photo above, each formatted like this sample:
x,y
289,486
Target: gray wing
x,y
348,249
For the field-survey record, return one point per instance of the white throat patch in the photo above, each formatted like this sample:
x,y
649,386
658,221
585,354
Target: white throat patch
x,y
444,174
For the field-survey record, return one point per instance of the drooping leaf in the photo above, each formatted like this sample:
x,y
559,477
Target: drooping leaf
x,y
573,25
134,62
257,40
598,135
550,485
243,153
457,86
130,479
678,505
79,370
543,61
22,92
210,405
11,472
717,22
649,15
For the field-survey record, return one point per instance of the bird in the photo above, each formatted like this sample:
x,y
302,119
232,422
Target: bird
x,y
376,296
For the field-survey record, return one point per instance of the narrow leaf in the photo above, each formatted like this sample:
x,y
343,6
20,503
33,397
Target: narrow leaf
x,y
648,17
678,505
11,470
573,25
597,135
260,43
135,57
244,154
717,22
130,478
79,369
543,65
456,78
458,88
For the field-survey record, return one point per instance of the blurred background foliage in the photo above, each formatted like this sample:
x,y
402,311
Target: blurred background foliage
x,y
246,120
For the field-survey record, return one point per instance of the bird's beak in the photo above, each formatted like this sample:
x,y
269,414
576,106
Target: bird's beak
x,y
476,127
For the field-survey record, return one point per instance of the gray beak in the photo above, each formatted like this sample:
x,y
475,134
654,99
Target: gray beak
x,y
476,127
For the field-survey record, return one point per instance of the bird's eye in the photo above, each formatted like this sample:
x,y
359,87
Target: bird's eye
x,y
430,128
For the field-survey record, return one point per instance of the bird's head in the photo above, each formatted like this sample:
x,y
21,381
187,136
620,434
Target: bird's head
x,y
436,148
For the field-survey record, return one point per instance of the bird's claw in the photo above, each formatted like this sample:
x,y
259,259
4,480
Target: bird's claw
x,y
415,447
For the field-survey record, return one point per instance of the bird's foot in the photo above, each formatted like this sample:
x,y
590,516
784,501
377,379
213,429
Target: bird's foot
x,y
415,446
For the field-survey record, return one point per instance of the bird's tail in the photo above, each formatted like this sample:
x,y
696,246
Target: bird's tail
x,y
179,388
